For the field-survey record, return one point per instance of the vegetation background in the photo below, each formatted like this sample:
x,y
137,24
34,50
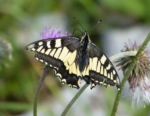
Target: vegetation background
x,y
22,21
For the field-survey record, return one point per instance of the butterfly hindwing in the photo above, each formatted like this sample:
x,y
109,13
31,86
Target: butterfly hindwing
x,y
60,54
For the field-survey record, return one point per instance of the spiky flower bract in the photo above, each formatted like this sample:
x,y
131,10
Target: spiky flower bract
x,y
139,79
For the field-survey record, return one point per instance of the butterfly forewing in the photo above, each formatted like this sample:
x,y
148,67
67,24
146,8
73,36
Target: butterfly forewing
x,y
60,54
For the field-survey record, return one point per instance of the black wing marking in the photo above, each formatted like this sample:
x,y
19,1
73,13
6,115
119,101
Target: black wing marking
x,y
101,70
60,54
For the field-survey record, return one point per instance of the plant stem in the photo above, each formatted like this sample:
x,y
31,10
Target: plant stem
x,y
122,54
116,103
73,100
45,72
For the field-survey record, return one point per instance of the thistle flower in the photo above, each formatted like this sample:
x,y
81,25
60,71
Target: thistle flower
x,y
48,33
53,33
139,80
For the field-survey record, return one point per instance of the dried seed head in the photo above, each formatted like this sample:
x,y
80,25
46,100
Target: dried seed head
x,y
139,81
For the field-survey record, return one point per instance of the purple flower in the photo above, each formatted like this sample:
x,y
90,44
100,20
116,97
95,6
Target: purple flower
x,y
49,33
139,80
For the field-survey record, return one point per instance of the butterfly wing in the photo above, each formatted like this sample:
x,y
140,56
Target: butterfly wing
x,y
101,70
60,54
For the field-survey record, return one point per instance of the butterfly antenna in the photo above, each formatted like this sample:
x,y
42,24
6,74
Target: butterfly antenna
x,y
79,23
78,30
96,24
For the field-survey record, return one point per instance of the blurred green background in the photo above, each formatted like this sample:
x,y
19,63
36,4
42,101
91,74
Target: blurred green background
x,y
21,22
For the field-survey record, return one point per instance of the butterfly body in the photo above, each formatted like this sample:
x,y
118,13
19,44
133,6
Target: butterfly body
x,y
75,59
82,57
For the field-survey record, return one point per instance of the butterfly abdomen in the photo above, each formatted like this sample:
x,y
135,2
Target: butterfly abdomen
x,y
83,55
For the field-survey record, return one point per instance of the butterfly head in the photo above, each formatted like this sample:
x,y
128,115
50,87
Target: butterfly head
x,y
85,33
85,36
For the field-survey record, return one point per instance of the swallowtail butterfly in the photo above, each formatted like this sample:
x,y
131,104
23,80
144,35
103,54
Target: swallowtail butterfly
x,y
75,59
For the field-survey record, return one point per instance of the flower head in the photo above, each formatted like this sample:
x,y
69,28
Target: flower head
x,y
139,79
5,53
48,33
5,50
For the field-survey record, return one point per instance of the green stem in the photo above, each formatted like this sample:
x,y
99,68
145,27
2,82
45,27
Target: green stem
x,y
113,58
45,72
122,54
116,103
73,100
